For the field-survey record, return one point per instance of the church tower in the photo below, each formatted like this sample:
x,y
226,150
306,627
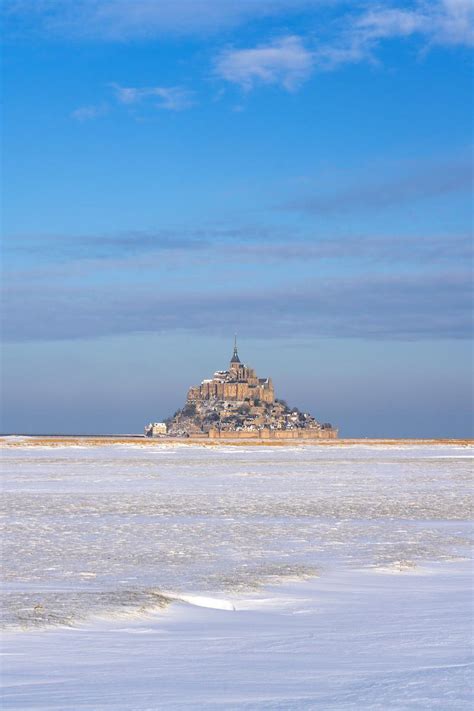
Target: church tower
x,y
235,360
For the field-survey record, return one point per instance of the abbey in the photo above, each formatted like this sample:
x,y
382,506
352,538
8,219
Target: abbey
x,y
237,384
236,403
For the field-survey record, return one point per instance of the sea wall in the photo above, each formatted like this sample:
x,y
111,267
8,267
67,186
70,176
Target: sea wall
x,y
274,434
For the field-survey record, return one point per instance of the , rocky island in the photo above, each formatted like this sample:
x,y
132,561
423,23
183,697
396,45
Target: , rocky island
x,y
235,403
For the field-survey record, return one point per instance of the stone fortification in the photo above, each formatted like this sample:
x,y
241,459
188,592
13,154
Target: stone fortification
x,y
237,403
324,432
238,384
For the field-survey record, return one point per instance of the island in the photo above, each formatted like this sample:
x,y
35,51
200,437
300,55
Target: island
x,y
236,403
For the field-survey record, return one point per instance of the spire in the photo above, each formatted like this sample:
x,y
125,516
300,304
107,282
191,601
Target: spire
x,y
235,356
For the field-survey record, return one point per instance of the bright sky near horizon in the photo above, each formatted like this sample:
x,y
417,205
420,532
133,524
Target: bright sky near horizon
x,y
298,171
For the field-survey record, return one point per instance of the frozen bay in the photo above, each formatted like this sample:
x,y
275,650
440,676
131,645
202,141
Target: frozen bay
x,y
370,548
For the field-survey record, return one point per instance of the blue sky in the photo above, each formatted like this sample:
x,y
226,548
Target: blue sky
x,y
299,172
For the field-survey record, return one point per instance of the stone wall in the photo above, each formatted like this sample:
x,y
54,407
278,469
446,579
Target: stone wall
x,y
239,392
267,433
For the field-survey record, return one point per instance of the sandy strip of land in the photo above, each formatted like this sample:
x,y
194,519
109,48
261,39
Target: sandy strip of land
x,y
139,440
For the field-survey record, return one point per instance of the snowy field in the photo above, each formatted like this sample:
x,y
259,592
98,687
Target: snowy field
x,y
174,577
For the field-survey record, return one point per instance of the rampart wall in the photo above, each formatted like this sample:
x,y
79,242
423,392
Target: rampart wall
x,y
267,433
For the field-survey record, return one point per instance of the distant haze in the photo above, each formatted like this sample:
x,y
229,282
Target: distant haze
x,y
117,385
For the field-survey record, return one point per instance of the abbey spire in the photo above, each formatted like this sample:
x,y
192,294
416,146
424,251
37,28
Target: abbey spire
x,y
235,356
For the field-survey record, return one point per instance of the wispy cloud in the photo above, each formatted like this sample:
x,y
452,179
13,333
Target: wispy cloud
x,y
434,22
413,307
413,184
88,113
167,98
116,20
59,248
73,280
354,33
241,246
291,60
446,22
284,61
365,250
172,98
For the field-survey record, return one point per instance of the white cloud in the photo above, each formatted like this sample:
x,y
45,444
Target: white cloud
x,y
172,98
446,22
455,23
290,61
381,22
285,61
442,21
435,22
87,113
113,20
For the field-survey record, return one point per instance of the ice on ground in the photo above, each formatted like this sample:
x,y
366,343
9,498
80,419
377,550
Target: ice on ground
x,y
347,640
173,571
116,529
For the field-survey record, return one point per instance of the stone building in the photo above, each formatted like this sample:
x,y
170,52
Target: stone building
x,y
155,429
239,383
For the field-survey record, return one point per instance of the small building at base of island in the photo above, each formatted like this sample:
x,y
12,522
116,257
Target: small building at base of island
x,y
237,404
156,429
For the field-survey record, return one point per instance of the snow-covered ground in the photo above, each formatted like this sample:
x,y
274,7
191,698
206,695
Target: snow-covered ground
x,y
274,578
